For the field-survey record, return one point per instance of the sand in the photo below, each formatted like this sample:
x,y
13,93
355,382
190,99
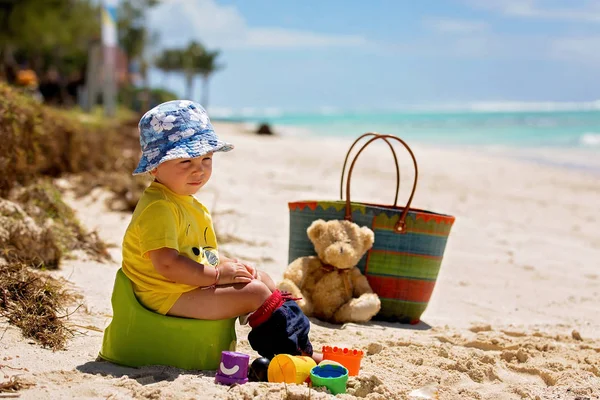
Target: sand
x,y
514,313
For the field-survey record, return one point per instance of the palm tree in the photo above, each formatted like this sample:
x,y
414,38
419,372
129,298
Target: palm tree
x,y
208,66
193,60
197,60
170,60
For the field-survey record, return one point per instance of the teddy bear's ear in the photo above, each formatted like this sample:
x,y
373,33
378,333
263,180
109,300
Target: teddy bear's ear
x,y
316,229
368,237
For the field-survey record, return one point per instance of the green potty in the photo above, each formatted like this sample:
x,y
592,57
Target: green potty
x,y
137,336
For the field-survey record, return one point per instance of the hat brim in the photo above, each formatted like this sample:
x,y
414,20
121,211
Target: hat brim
x,y
193,147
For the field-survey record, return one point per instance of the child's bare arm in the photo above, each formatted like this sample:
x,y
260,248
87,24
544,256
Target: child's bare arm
x,y
181,269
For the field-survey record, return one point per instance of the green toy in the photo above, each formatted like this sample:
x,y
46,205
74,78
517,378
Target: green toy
x,y
137,336
333,377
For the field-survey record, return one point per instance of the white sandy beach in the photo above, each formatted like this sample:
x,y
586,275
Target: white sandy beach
x,y
514,313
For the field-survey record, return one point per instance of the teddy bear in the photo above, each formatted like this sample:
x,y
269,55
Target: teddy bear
x,y
329,286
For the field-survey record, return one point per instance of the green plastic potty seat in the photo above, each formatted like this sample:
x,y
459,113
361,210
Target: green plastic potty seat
x,y
137,336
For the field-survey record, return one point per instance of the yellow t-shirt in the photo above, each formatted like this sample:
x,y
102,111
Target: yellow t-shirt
x,y
163,218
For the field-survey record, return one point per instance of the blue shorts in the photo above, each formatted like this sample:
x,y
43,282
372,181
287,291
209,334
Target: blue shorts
x,y
285,332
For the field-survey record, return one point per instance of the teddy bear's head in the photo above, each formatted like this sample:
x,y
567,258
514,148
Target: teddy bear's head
x,y
340,243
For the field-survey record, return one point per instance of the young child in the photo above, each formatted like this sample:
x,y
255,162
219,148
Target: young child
x,y
170,250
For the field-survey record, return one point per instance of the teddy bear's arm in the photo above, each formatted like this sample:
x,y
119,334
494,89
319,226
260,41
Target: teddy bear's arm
x,y
299,269
303,299
295,281
360,283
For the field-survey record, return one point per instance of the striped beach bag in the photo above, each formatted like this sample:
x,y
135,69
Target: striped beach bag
x,y
403,264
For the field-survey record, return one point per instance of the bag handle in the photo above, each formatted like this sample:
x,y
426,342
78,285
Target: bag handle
x,y
395,161
399,227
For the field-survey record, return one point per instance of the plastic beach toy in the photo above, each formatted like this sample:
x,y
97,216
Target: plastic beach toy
x,y
290,369
259,369
137,336
333,377
233,368
349,358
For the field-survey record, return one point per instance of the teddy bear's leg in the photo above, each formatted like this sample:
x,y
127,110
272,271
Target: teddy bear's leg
x,y
360,309
287,285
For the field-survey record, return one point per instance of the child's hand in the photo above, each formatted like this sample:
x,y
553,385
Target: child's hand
x,y
248,266
234,272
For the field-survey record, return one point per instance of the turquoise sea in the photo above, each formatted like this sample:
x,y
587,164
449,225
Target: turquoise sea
x,y
537,135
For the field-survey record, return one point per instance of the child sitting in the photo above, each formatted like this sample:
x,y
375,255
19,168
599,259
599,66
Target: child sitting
x,y
170,250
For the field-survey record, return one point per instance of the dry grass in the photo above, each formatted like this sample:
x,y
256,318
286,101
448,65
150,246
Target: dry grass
x,y
38,228
35,303
13,384
31,300
44,203
39,140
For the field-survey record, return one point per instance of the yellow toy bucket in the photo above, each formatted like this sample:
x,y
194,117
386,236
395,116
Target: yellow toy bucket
x,y
290,369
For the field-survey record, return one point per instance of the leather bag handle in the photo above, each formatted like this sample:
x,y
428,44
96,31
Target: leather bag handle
x,y
400,225
395,161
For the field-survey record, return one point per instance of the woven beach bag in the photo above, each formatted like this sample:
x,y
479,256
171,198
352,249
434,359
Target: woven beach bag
x,y
403,264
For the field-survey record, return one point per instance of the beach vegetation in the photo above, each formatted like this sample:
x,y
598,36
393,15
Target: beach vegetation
x,y
37,228
35,302
14,384
44,141
43,202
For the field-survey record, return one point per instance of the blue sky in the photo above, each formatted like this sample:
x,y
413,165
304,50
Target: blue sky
x,y
383,53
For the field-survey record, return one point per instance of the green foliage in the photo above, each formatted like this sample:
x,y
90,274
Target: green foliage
x,y
194,60
170,60
49,32
58,33
134,36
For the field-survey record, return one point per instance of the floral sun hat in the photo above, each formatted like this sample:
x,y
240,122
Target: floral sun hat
x,y
176,129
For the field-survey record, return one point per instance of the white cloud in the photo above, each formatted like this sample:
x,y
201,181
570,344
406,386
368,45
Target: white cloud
x,y
577,49
458,26
221,26
587,12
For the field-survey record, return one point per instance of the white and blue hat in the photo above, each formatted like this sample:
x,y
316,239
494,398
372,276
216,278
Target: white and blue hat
x,y
176,129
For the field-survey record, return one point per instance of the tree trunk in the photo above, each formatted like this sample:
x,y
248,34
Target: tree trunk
x,y
145,84
205,91
189,80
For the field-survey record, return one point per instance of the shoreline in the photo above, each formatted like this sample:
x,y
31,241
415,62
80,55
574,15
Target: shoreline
x,y
567,157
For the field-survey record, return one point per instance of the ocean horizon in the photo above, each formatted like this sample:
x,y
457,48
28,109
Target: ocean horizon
x,y
565,134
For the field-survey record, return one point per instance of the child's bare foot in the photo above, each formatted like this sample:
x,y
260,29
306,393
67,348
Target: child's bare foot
x,y
318,357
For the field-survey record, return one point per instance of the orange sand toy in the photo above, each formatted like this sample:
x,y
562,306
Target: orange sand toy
x,y
349,358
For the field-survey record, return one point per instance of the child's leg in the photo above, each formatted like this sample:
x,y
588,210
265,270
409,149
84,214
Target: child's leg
x,y
222,302
266,279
